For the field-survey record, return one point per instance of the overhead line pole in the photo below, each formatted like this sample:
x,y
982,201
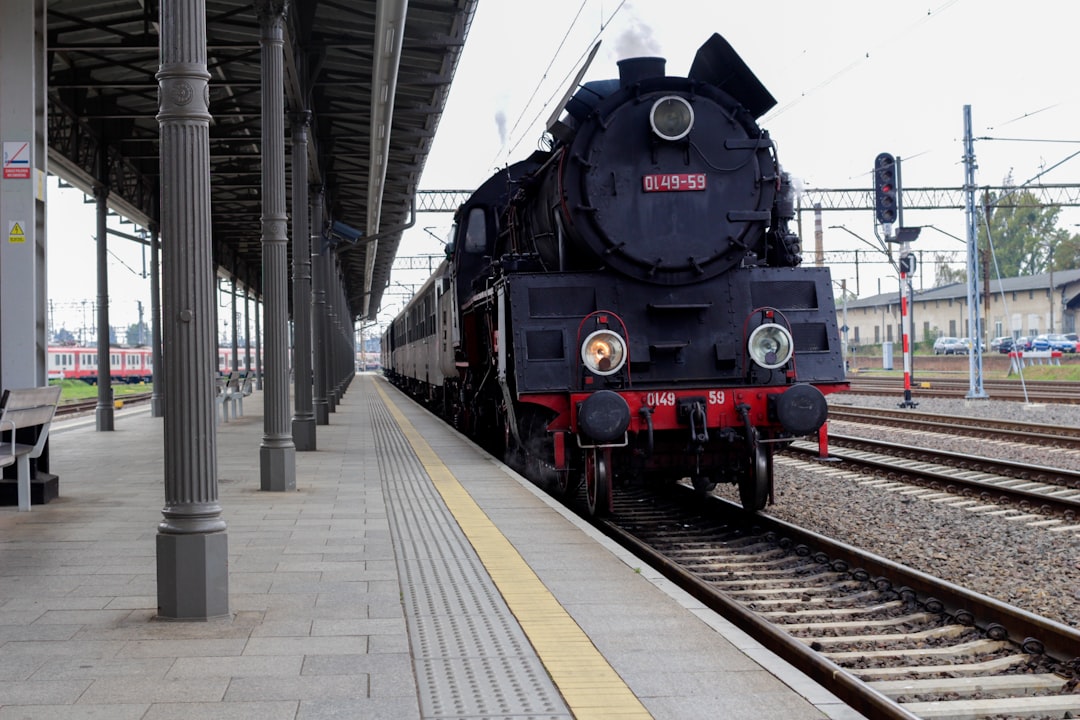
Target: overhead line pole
x,y
975,385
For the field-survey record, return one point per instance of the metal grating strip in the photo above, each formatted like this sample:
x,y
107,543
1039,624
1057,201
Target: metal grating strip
x,y
470,655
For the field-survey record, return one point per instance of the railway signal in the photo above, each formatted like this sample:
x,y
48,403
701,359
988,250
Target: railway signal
x,y
885,189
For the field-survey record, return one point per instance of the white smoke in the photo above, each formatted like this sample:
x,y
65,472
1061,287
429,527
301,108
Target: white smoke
x,y
636,40
500,124
798,184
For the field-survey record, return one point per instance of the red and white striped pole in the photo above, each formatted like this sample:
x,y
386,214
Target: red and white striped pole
x,y
907,267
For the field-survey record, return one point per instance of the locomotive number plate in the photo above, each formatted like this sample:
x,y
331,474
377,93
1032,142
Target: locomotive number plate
x,y
673,182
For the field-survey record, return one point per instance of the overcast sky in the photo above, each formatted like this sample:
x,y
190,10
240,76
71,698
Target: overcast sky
x,y
851,79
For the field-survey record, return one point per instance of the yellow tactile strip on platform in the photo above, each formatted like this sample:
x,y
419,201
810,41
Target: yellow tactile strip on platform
x,y
590,686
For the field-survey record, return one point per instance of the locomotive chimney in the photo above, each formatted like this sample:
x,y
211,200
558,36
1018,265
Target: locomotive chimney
x,y
634,70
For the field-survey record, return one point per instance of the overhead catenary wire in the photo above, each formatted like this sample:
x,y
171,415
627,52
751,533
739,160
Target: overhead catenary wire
x,y
604,24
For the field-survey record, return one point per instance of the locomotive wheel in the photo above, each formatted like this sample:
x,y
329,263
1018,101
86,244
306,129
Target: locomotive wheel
x,y
755,485
563,483
513,454
598,481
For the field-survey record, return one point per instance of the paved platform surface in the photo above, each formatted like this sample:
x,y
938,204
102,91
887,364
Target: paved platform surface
x,y
410,575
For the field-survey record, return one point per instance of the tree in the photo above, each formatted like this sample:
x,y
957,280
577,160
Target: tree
x,y
137,334
945,274
1023,233
1067,253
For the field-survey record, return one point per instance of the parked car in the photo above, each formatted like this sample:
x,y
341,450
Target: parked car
x,y
1002,344
1040,342
1061,342
966,342
1073,336
949,346
1025,343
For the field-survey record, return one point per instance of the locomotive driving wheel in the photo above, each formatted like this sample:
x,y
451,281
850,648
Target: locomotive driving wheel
x,y
756,483
598,481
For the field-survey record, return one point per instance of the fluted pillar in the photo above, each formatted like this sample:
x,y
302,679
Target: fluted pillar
x,y
318,310
303,422
103,413
157,398
258,346
233,322
278,453
247,331
331,331
192,547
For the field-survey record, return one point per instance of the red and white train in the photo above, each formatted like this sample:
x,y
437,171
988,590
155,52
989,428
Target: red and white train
x,y
126,364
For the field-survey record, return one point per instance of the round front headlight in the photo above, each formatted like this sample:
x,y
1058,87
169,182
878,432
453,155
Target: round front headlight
x,y
603,352
671,117
770,345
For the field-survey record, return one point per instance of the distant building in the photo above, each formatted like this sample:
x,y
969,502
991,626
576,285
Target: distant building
x,y
1017,307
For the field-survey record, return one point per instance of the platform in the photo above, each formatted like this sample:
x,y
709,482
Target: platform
x,y
410,575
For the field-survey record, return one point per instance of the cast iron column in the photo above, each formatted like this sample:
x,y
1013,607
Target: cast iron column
x,y
104,410
157,399
331,331
278,453
247,330
303,422
318,298
235,366
258,346
192,546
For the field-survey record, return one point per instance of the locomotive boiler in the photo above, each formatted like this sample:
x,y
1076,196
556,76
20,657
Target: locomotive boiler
x,y
629,305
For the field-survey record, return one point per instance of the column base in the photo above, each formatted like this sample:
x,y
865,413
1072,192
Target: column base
x,y
104,417
157,406
303,433
322,412
193,576
278,468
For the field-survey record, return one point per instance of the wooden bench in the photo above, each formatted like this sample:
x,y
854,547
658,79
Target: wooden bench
x,y
26,408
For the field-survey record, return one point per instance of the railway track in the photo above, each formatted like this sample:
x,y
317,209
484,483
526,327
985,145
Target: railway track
x,y
993,481
1062,436
890,641
951,387
82,406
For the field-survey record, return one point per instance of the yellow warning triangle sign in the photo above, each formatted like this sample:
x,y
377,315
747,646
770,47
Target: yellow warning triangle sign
x,y
16,229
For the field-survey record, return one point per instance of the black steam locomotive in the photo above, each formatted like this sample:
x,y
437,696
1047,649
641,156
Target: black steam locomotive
x,y
629,305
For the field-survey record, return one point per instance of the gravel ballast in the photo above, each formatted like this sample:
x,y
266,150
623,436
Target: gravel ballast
x,y
1031,567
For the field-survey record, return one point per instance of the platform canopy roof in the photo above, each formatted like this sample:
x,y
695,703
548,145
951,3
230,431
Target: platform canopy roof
x,y
371,107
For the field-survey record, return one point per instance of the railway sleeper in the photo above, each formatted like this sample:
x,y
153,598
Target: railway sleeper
x,y
733,576
1032,707
949,653
806,591
972,670
728,565
804,599
838,612
936,633
1012,684
913,620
